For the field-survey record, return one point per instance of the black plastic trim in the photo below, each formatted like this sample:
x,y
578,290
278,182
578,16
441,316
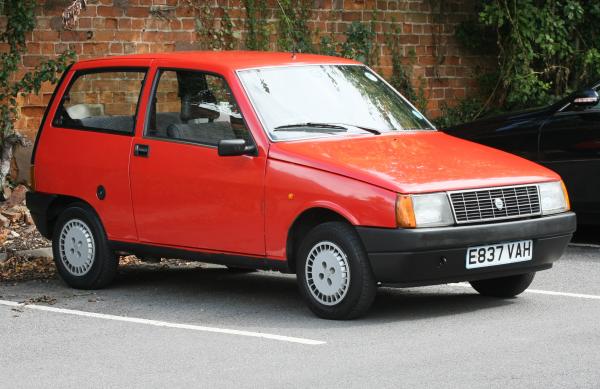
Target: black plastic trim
x,y
428,256
47,111
141,249
433,267
382,240
38,204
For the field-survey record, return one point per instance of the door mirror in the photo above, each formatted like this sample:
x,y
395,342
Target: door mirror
x,y
235,147
585,98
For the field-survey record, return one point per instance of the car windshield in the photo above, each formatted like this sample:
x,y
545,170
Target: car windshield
x,y
299,102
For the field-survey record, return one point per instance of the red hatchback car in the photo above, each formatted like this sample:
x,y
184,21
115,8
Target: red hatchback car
x,y
305,164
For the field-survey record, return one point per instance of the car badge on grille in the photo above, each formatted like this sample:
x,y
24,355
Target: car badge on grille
x,y
499,203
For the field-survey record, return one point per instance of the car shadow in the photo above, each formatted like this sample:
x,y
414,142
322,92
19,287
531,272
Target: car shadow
x,y
259,295
418,304
587,235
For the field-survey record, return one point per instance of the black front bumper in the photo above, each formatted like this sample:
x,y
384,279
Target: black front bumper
x,y
427,256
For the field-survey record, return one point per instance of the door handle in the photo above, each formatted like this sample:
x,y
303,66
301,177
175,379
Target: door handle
x,y
141,150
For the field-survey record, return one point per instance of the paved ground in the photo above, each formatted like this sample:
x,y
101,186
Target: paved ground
x,y
445,336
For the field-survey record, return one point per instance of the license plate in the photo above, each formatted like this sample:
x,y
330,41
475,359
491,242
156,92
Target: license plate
x,y
499,254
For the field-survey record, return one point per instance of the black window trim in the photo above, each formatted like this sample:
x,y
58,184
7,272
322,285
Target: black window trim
x,y
157,75
112,69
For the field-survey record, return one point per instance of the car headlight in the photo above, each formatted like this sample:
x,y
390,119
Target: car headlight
x,y
554,197
428,210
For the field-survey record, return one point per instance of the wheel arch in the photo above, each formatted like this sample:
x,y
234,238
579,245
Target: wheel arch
x,y
58,205
306,221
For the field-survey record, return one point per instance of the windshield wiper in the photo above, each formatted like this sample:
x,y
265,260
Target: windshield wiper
x,y
312,127
331,127
367,129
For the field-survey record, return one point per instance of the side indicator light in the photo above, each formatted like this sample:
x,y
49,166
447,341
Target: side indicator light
x,y
566,193
405,214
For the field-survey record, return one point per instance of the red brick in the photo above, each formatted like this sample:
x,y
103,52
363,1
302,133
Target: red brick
x,y
32,60
110,23
109,11
84,23
139,12
351,16
33,111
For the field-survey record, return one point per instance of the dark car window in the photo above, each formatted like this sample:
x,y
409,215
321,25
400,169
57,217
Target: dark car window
x,y
195,107
104,100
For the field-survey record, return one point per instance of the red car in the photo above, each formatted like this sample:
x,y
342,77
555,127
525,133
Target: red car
x,y
299,163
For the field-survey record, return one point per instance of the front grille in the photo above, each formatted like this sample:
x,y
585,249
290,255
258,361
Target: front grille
x,y
474,206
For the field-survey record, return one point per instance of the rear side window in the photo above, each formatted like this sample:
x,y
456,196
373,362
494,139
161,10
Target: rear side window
x,y
195,107
102,101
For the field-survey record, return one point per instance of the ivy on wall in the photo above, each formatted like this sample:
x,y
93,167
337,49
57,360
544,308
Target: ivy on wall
x,y
359,41
214,33
293,32
402,70
257,26
20,20
544,50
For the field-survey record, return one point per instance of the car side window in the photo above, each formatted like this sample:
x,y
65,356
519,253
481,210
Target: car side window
x,y
195,107
101,101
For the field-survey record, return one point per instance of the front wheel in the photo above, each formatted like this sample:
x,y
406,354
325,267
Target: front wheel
x,y
504,287
334,274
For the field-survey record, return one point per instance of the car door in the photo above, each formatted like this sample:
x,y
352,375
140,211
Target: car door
x,y
184,194
570,145
89,139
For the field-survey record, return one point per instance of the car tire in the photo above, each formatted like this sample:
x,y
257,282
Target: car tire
x,y
504,287
81,251
334,273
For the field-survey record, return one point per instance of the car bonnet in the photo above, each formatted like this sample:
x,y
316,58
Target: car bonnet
x,y
413,161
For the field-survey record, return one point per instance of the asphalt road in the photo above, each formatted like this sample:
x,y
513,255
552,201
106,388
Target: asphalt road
x,y
443,336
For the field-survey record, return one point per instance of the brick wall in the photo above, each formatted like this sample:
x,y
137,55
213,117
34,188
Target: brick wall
x,y
115,27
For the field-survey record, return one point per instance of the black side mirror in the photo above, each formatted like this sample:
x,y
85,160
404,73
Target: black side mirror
x,y
235,147
585,98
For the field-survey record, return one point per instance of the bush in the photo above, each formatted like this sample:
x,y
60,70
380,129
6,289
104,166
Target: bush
x,y
544,49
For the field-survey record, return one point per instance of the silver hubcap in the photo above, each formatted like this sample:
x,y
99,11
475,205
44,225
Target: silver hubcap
x,y
327,273
77,247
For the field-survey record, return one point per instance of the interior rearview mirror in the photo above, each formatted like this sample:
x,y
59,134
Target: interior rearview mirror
x,y
585,98
235,147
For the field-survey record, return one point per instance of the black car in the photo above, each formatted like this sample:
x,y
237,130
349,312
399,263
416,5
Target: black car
x,y
564,137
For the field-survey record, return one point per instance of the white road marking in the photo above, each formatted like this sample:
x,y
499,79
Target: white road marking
x,y
546,292
157,323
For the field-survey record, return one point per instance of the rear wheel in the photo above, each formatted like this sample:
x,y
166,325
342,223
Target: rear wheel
x,y
503,287
334,274
81,252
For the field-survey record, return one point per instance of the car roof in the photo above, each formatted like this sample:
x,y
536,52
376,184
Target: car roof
x,y
236,60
